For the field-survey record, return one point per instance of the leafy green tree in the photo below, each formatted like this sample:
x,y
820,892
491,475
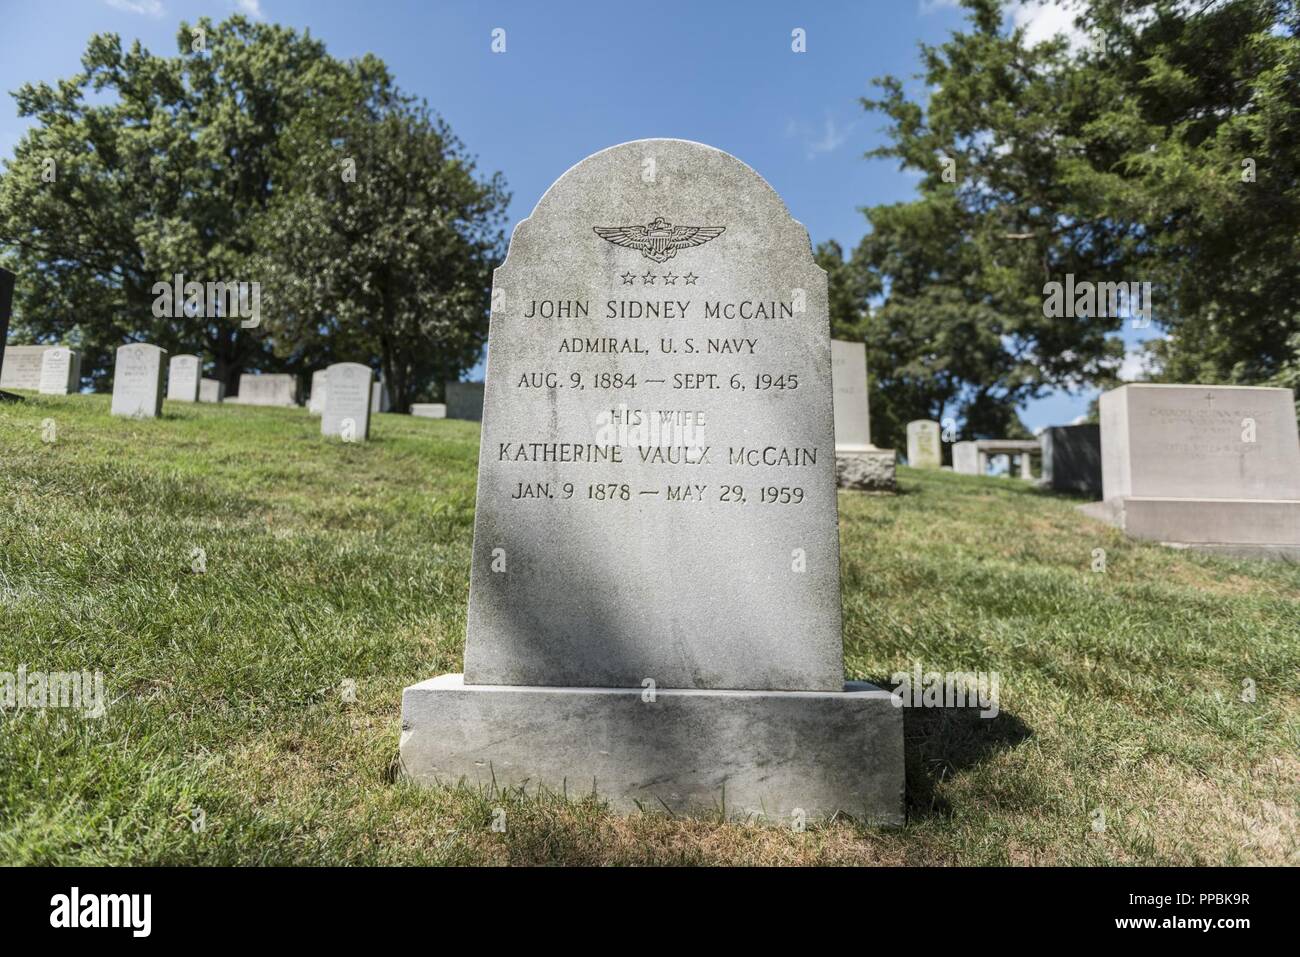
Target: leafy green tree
x,y
1125,161
379,245
142,166
849,293
964,265
1289,375
1200,106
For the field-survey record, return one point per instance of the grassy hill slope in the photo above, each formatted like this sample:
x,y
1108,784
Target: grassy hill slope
x,y
1123,736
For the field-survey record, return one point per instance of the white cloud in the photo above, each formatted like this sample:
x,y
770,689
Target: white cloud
x,y
149,8
827,138
833,137
1137,365
251,7
1043,21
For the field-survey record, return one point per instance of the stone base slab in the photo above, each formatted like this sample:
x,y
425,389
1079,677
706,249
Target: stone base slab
x,y
768,753
1257,528
1281,553
872,470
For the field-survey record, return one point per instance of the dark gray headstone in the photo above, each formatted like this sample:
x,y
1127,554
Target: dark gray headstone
x,y
6,308
6,301
1072,459
465,401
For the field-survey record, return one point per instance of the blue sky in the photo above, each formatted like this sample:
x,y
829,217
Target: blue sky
x,y
579,76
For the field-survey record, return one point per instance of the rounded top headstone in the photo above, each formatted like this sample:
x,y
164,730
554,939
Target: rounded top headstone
x,y
685,185
657,443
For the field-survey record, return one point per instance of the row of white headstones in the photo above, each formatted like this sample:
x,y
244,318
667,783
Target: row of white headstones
x,y
344,395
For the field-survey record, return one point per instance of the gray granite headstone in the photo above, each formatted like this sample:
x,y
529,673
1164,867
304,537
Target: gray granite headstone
x,y
465,400
1072,458
138,381
347,402
852,416
858,463
728,337
212,390
22,367
1202,442
923,448
654,596
1213,467
379,399
183,375
965,458
267,389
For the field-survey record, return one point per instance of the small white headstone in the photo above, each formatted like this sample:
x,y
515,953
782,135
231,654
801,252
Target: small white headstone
x,y
316,401
965,458
923,449
347,402
183,374
137,381
57,368
211,390
22,367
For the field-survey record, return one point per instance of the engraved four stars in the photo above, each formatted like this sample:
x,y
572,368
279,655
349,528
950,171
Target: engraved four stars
x,y
669,278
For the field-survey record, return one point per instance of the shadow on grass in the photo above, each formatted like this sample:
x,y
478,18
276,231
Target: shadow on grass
x,y
879,493
939,743
1069,495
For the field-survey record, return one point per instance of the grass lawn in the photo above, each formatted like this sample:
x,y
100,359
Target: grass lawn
x,y
1123,735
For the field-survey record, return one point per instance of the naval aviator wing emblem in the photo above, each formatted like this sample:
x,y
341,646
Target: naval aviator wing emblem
x,y
660,239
